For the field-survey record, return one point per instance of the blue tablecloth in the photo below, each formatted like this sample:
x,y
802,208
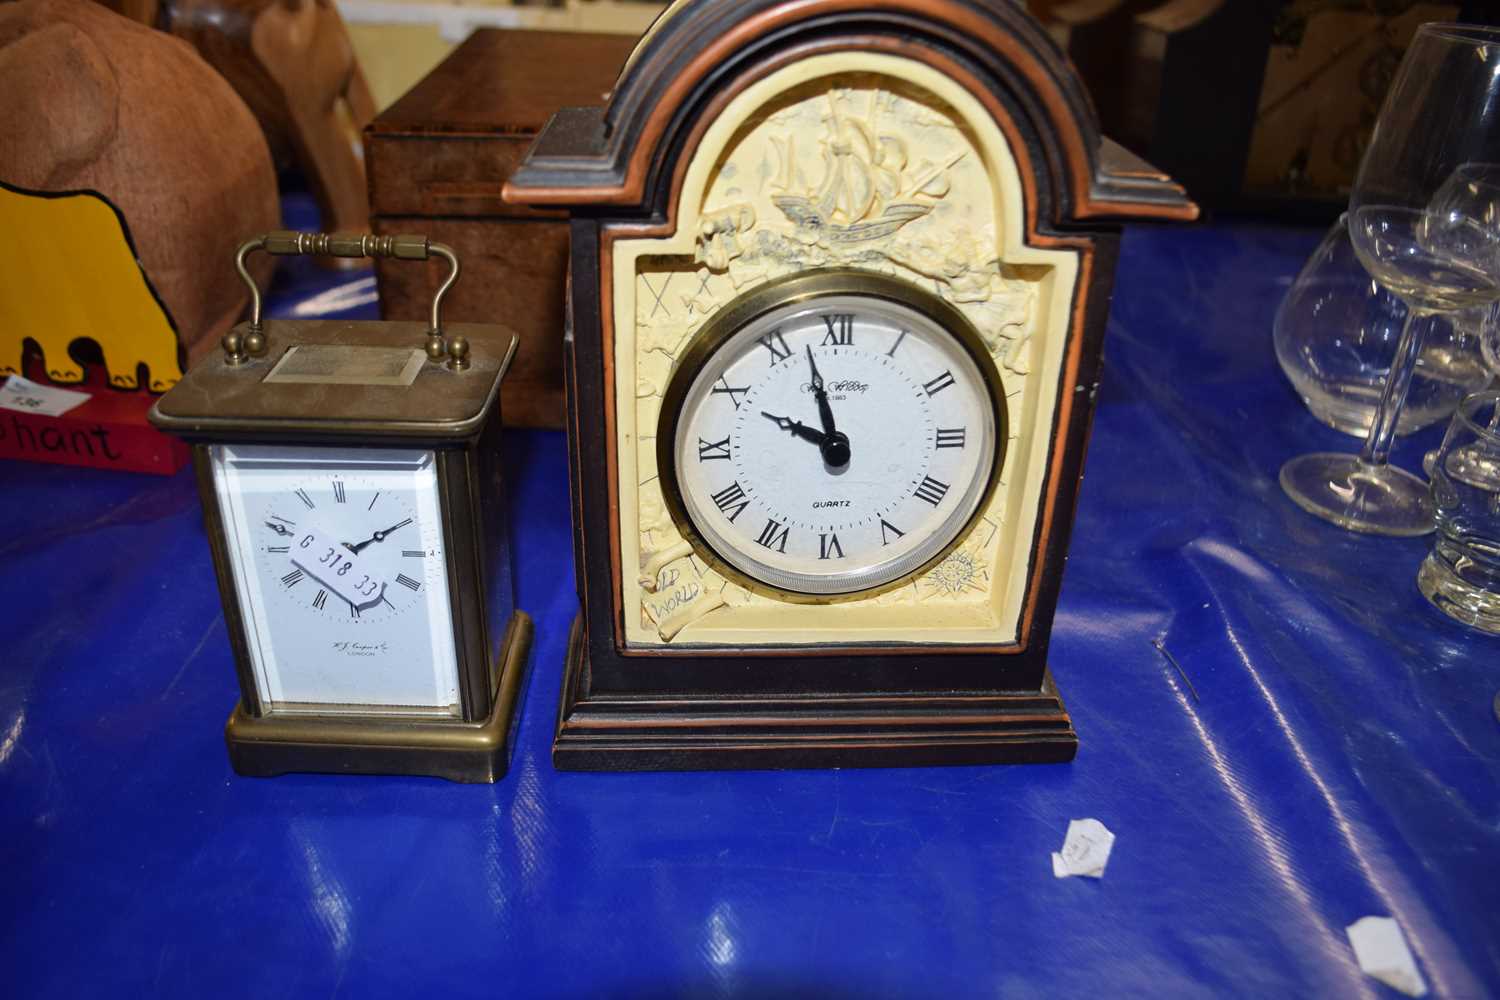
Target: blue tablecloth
x,y
1327,751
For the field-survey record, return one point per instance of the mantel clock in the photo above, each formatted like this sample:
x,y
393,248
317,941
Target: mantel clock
x,y
839,279
352,488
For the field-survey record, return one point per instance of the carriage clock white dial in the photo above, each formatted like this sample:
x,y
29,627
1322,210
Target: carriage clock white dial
x,y
832,435
338,559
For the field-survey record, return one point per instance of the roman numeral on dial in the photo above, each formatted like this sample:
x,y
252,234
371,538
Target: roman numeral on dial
x,y
938,384
731,496
293,578
887,529
840,330
278,549
829,547
408,582
773,535
321,601
735,392
338,491
951,437
712,449
776,344
931,490
302,495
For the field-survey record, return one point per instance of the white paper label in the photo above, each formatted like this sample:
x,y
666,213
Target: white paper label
x,y
336,566
1380,948
25,396
1085,850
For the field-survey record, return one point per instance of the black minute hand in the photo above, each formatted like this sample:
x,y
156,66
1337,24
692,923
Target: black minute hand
x,y
825,412
835,443
379,536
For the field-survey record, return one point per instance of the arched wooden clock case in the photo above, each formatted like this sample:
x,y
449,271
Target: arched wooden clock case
x,y
942,145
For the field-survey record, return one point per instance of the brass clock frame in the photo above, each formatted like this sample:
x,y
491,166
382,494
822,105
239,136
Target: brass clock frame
x,y
790,291
450,409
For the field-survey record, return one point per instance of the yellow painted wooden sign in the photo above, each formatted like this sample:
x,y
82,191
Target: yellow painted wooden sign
x,y
68,272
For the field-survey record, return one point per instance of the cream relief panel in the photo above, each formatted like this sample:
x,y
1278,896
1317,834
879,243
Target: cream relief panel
x,y
850,160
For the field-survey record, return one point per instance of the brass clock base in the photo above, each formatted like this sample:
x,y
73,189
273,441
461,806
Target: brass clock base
x,y
476,752
599,732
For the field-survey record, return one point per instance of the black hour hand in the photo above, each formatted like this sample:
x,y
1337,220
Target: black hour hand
x,y
796,427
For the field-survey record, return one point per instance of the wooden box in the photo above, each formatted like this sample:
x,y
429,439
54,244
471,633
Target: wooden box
x,y
437,160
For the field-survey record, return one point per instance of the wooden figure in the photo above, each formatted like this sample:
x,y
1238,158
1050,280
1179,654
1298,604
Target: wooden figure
x,y
97,103
292,62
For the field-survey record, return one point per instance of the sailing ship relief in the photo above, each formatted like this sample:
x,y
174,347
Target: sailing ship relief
x,y
833,170
866,193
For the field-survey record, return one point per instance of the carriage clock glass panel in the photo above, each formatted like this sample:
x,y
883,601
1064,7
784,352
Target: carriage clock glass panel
x,y
341,576
834,445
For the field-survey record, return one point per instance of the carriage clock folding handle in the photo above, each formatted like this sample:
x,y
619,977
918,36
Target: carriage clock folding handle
x,y
292,244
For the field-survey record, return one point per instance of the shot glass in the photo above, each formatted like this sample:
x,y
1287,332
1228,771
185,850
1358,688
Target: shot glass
x,y
1461,577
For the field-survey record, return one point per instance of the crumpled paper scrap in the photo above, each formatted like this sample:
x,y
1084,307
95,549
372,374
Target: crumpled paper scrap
x,y
1085,850
1380,948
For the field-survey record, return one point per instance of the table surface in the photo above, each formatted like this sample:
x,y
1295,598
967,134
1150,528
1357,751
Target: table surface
x,y
1327,751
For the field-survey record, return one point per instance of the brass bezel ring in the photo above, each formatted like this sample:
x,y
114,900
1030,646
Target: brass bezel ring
x,y
791,291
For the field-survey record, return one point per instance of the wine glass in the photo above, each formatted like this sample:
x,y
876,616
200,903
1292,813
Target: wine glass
x,y
1334,334
1424,219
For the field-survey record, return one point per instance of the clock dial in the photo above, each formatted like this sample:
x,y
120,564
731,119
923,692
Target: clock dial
x,y
834,443
343,546
339,563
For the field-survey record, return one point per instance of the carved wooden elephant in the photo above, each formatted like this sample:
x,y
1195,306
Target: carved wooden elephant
x,y
95,102
292,62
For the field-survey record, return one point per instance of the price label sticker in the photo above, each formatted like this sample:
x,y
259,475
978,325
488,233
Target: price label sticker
x,y
1085,850
25,396
333,565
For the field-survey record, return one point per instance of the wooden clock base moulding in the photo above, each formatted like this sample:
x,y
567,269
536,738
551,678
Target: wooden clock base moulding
x,y
471,752
677,733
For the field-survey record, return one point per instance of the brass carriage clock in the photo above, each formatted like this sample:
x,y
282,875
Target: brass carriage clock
x,y
840,273
352,488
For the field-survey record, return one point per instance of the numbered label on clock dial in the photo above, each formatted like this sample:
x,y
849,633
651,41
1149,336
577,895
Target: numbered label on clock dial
x,y
835,446
350,550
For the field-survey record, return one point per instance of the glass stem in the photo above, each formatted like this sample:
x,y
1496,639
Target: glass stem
x,y
1377,449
